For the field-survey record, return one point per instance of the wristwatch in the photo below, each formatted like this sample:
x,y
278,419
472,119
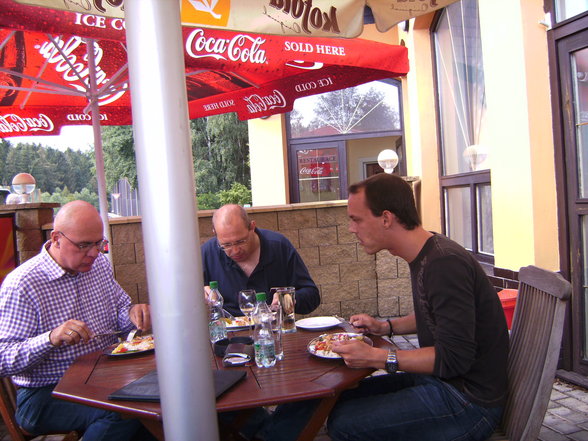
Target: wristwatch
x,y
391,363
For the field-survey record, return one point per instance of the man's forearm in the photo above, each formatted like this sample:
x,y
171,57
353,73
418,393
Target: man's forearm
x,y
404,325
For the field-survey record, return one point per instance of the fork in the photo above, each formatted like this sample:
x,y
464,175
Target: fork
x,y
106,333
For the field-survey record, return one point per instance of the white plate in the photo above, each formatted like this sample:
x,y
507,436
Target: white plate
x,y
317,323
336,336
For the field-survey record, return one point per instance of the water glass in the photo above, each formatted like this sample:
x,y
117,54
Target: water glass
x,y
287,301
277,328
247,302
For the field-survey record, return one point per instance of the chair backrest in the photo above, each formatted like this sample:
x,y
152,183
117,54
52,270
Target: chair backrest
x,y
8,408
535,342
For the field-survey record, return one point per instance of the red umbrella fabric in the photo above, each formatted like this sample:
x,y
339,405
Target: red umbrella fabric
x,y
44,69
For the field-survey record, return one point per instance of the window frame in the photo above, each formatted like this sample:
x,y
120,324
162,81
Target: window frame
x,y
469,179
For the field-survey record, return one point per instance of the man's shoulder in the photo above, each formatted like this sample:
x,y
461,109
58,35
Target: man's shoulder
x,y
27,272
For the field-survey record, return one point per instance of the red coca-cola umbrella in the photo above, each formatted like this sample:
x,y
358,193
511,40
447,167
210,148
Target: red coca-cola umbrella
x,y
45,70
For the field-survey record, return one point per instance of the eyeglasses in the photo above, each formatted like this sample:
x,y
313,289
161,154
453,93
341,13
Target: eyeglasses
x,y
101,245
229,245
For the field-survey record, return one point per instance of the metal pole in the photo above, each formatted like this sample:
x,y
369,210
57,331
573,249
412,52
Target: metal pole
x,y
99,156
170,221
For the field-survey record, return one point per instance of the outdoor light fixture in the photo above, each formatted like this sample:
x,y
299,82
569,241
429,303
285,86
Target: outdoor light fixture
x,y
388,159
475,154
23,184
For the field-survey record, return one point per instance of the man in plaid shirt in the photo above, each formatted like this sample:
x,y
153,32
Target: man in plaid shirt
x,y
51,308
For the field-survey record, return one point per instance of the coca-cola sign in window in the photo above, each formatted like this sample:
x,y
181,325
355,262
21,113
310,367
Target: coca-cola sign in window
x,y
318,174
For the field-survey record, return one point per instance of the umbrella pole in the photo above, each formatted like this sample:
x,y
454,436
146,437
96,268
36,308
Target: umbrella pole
x,y
98,153
170,219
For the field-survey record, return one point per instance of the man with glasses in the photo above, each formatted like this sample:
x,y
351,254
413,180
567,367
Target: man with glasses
x,y
51,309
245,257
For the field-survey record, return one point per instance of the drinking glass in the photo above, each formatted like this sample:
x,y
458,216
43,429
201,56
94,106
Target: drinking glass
x,y
247,302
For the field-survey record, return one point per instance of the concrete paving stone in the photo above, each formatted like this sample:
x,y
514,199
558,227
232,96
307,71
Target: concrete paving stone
x,y
557,395
574,403
560,424
579,436
562,387
579,394
577,418
547,434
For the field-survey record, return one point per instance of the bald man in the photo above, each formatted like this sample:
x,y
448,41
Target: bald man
x,y
51,308
245,257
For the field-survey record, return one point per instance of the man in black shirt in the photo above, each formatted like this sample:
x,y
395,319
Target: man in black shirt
x,y
454,385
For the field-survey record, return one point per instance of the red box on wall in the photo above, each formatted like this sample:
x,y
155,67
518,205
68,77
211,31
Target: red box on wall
x,y
508,298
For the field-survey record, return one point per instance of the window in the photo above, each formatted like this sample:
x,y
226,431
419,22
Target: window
x,y
369,107
565,9
465,178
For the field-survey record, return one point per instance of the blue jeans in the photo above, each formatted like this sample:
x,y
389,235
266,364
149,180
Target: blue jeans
x,y
39,413
409,407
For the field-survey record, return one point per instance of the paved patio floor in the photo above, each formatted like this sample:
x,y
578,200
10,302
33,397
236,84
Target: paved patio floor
x,y
566,417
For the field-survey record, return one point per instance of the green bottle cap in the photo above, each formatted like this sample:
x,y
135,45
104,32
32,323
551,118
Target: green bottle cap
x,y
213,284
260,296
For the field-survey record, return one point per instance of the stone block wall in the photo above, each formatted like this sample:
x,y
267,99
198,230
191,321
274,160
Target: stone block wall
x,y
349,280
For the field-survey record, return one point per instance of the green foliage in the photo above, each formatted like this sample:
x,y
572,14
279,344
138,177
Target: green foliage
x,y
64,196
208,201
237,194
50,167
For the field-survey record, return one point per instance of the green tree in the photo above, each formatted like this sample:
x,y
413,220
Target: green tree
x,y
119,155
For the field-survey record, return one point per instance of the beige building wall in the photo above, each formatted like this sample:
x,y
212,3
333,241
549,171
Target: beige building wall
x,y
268,160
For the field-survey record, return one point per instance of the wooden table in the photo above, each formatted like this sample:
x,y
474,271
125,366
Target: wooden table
x,y
299,376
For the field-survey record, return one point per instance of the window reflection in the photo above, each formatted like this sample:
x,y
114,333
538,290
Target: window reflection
x,y
369,107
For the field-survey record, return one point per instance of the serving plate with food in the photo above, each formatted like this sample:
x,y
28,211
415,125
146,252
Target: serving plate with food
x,y
138,345
234,323
322,345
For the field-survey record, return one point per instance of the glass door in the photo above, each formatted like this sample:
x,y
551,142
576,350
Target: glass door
x,y
573,72
318,171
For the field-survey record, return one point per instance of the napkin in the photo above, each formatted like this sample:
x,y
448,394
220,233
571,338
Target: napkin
x,y
146,388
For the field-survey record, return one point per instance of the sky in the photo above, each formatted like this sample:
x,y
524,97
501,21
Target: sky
x,y
76,137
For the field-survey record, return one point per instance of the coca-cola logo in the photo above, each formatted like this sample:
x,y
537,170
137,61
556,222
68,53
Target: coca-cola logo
x,y
243,48
74,68
261,103
15,123
311,170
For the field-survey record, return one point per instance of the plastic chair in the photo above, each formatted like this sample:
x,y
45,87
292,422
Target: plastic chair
x,y
535,342
8,408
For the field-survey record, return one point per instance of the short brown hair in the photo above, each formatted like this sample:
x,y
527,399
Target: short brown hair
x,y
392,193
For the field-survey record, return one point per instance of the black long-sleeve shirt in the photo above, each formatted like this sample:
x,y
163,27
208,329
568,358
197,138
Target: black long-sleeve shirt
x,y
459,313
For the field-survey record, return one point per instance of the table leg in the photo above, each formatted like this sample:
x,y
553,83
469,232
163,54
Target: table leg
x,y
155,427
318,418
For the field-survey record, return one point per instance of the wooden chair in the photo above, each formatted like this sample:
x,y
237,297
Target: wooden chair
x,y
8,408
535,342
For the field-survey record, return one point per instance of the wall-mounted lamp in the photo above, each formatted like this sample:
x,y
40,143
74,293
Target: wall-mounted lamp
x,y
388,159
23,184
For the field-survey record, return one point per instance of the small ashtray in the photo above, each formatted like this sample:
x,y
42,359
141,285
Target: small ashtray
x,y
220,347
242,339
237,354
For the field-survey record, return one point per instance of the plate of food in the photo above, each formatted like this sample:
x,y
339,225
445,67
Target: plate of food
x,y
234,323
318,323
321,346
138,345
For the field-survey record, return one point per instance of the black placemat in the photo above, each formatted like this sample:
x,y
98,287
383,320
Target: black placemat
x,y
146,388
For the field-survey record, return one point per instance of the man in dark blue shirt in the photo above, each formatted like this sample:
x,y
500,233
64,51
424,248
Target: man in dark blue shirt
x,y
245,257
